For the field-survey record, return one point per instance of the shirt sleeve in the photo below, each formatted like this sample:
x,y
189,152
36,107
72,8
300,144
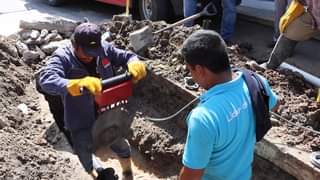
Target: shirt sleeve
x,y
52,77
273,98
118,56
199,143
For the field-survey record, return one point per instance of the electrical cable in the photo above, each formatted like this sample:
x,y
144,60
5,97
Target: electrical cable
x,y
288,121
195,99
174,114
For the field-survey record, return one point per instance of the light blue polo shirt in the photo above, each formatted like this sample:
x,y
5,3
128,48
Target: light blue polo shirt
x,y
221,132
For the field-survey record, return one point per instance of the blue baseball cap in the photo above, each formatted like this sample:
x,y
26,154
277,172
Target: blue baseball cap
x,y
88,37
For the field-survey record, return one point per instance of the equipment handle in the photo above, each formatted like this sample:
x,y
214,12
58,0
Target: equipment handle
x,y
106,83
209,10
115,80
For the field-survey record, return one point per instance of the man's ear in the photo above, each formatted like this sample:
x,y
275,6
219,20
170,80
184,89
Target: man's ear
x,y
201,70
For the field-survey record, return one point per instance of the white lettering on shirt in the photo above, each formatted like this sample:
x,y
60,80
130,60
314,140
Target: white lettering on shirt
x,y
234,114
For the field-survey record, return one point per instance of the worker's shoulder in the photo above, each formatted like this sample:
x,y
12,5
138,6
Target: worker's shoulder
x,y
64,52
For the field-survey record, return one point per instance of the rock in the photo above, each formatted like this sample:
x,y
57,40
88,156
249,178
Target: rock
x,y
58,37
122,17
25,34
31,57
63,26
39,41
22,47
34,34
30,41
41,53
2,123
52,46
50,37
141,39
44,33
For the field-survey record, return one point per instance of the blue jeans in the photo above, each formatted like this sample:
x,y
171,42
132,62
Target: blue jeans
x,y
229,16
189,9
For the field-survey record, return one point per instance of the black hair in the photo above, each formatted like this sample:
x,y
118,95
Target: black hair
x,y
206,48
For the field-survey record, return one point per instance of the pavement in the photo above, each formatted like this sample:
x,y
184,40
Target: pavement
x,y
15,10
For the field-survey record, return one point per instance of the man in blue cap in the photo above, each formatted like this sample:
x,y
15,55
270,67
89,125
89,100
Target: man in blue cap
x,y
82,65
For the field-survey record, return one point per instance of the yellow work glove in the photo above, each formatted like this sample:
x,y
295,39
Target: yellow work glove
x,y
137,69
318,98
92,84
294,10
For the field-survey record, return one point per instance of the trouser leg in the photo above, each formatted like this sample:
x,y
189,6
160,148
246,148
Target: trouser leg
x,y
189,9
229,16
82,146
282,50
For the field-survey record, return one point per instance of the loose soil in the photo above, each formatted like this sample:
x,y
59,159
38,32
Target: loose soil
x,y
32,147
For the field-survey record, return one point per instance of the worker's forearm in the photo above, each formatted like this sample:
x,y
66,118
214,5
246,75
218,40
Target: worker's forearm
x,y
190,174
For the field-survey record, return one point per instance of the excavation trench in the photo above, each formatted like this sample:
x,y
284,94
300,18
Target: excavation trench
x,y
32,147
158,146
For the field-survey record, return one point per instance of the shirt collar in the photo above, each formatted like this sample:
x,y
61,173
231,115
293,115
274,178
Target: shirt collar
x,y
220,88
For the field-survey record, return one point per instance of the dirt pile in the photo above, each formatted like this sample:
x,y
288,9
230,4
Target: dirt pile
x,y
26,152
297,98
28,140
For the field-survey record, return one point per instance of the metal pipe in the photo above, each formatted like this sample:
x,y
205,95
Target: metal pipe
x,y
307,76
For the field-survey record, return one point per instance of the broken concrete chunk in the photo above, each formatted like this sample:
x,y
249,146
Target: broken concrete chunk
x,y
31,57
41,53
58,37
22,47
39,41
44,33
34,34
25,34
63,26
52,46
50,37
122,17
54,31
141,38
30,41
8,47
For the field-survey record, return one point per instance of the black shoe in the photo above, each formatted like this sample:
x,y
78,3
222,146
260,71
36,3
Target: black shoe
x,y
106,174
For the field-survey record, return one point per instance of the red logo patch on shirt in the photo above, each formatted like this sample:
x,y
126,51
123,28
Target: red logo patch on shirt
x,y
105,62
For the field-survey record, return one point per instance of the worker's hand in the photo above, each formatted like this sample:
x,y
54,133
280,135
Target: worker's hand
x,y
137,69
92,84
294,10
318,97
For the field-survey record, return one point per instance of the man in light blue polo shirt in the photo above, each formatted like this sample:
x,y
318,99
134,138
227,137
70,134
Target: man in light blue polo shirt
x,y
221,129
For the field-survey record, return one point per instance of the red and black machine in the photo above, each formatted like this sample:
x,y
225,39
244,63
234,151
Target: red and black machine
x,y
116,90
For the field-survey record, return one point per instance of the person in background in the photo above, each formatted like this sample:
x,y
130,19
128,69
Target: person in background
x,y
74,73
221,128
229,16
280,9
300,22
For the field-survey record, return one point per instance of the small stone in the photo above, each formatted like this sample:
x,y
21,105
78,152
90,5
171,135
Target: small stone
x,y
25,34
44,33
22,47
52,46
31,57
34,34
